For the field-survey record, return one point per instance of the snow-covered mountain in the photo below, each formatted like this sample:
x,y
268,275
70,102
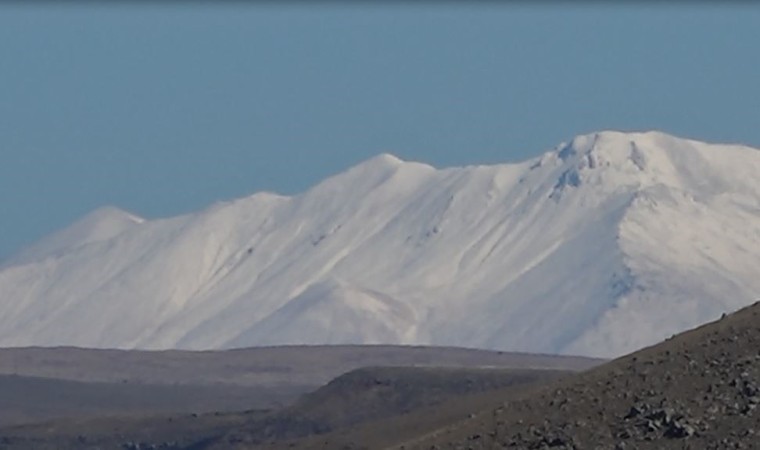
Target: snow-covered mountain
x,y
608,243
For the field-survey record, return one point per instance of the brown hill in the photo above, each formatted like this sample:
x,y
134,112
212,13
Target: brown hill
x,y
195,382
364,395
46,383
374,394
407,424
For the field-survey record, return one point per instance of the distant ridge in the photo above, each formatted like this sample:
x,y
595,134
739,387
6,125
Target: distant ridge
x,y
607,243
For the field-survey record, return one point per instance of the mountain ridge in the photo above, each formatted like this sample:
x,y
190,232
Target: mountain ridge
x,y
574,251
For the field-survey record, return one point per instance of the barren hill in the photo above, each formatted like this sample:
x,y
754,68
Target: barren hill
x,y
699,390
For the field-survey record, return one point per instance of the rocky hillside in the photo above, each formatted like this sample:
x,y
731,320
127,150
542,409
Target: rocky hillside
x,y
698,390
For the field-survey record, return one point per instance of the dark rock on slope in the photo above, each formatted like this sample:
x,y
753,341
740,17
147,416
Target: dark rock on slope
x,y
698,390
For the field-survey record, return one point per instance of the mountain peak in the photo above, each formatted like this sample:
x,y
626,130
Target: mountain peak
x,y
389,158
609,141
111,213
655,157
381,165
370,174
639,158
382,161
609,243
99,225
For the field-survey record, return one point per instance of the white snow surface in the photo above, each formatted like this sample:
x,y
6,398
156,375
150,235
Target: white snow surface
x,y
606,244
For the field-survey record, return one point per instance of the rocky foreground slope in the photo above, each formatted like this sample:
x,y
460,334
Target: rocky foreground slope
x,y
698,390
607,243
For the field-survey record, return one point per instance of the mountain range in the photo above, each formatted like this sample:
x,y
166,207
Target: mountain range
x,y
605,244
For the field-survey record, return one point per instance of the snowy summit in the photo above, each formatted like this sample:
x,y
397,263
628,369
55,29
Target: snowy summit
x,y
606,244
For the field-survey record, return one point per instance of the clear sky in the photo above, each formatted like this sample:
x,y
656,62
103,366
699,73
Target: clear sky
x,y
165,109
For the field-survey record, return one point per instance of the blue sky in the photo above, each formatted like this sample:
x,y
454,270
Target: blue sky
x,y
165,109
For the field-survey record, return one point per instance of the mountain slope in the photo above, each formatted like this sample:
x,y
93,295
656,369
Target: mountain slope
x,y
607,243
699,390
